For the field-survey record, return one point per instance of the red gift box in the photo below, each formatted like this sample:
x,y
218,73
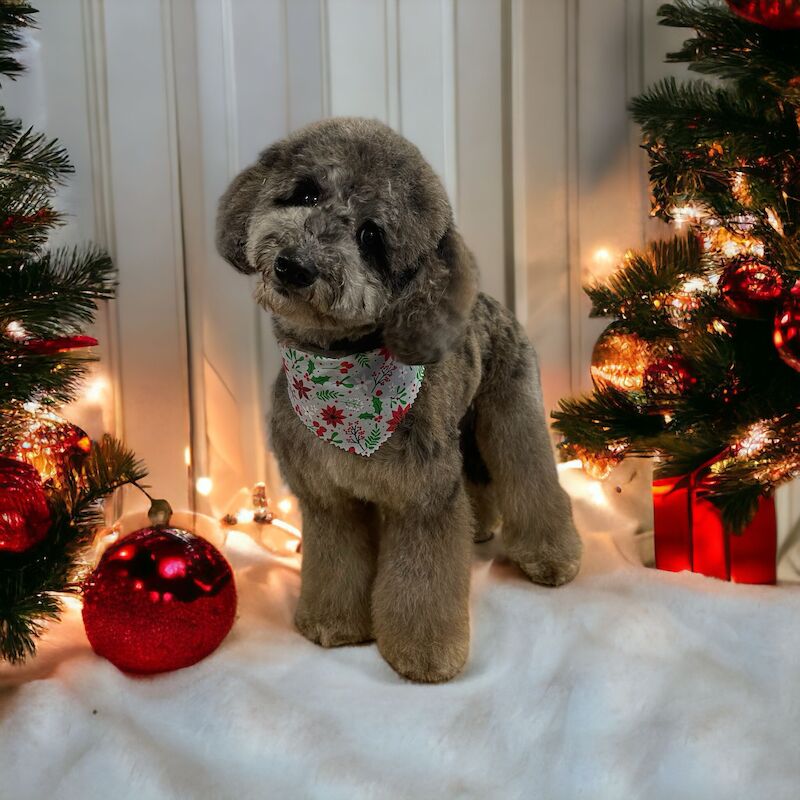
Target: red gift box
x,y
689,534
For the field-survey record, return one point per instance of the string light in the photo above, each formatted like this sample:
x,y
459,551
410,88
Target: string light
x,y
757,437
204,486
285,505
688,214
95,390
14,330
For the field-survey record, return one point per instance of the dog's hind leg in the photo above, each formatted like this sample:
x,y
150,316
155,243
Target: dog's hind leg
x,y
538,532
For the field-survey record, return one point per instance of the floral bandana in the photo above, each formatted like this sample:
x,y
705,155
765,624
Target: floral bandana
x,y
355,402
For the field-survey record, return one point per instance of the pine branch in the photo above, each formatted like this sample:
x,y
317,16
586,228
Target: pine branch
x,y
14,17
730,47
683,116
608,417
56,294
30,583
639,290
49,379
30,159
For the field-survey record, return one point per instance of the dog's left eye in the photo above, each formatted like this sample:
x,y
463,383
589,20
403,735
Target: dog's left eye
x,y
370,242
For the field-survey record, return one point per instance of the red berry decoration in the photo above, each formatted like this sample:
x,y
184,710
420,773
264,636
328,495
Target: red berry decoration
x,y
786,333
668,377
781,14
750,288
160,599
24,515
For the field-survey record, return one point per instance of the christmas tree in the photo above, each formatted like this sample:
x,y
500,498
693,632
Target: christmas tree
x,y
52,478
701,365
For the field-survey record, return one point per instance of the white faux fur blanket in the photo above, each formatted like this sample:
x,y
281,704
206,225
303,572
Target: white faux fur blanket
x,y
628,683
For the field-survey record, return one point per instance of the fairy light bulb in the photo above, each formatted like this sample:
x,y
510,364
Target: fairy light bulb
x,y
204,486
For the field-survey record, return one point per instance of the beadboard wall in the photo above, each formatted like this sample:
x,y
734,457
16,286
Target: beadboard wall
x,y
520,105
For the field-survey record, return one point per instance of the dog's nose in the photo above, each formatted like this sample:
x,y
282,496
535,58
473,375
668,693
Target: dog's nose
x,y
294,273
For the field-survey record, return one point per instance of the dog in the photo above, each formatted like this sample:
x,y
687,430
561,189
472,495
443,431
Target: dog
x,y
352,237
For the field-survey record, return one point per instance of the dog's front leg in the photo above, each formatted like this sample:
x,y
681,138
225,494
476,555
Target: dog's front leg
x,y
339,557
420,602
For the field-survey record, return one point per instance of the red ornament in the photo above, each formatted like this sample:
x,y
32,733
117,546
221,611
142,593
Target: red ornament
x,y
160,599
668,377
45,347
24,515
52,446
786,333
780,14
749,288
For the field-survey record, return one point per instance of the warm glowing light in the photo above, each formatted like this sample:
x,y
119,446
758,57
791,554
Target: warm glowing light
x,y
575,463
774,221
95,390
681,215
757,437
245,515
187,456
204,485
603,255
14,330
285,505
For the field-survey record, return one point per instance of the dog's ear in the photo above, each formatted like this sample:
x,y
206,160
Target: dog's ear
x,y
235,208
430,315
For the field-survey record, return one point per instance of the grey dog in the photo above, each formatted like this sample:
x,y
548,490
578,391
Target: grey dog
x,y
352,236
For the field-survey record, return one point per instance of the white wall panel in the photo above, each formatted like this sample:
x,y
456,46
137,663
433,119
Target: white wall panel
x,y
357,59
146,217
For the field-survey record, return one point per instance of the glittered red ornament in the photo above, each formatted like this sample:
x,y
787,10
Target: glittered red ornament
x,y
786,333
53,446
160,599
668,377
780,14
750,289
24,515
43,347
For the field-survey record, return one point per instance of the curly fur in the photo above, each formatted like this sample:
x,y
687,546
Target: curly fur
x,y
387,540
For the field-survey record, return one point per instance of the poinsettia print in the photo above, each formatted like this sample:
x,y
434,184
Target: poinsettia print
x,y
355,403
332,415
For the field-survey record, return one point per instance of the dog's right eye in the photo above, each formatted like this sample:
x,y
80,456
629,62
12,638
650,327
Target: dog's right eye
x,y
305,193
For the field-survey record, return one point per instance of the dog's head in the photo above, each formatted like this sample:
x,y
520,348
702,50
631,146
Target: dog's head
x,y
350,231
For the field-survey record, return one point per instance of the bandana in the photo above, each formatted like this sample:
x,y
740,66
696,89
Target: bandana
x,y
355,402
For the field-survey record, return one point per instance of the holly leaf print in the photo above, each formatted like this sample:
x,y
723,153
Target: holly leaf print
x,y
377,404
311,366
366,415
318,379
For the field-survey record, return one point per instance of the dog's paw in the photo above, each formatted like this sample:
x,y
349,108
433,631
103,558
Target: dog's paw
x,y
428,663
550,572
550,564
332,632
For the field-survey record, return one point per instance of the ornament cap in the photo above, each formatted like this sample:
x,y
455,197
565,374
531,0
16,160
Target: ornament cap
x,y
159,513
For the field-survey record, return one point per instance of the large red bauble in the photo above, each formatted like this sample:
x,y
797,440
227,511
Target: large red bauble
x,y
772,13
160,599
750,288
24,514
786,333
